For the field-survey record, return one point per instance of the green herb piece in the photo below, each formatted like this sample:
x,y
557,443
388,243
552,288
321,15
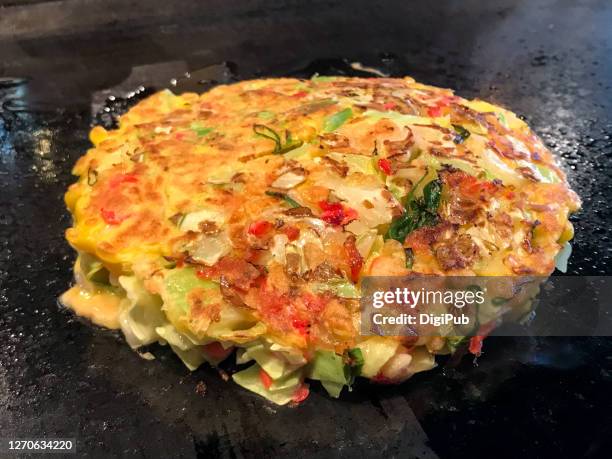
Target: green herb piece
x,y
92,176
279,147
418,212
462,133
502,119
201,131
354,362
284,197
400,228
336,120
357,357
431,195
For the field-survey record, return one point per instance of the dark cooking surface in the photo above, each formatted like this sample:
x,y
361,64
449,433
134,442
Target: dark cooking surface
x,y
549,61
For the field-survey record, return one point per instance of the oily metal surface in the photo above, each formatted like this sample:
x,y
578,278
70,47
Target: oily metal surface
x,y
547,60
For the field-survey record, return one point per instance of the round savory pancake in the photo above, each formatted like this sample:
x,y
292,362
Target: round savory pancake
x,y
262,204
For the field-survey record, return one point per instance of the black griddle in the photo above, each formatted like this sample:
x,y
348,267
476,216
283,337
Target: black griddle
x,y
550,61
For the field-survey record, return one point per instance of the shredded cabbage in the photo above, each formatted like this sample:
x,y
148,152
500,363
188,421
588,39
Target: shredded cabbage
x,y
250,379
234,327
141,313
272,362
179,282
192,358
329,368
177,340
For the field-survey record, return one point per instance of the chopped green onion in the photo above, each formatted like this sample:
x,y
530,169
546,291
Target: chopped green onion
x,y
266,115
284,197
264,131
201,131
279,148
336,120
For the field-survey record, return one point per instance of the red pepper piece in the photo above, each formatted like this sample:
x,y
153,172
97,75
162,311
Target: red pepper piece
x,y
335,213
476,345
350,214
292,232
260,228
434,112
354,257
385,165
266,379
300,325
301,393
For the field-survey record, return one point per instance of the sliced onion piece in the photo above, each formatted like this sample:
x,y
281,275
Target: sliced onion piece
x,y
289,179
208,249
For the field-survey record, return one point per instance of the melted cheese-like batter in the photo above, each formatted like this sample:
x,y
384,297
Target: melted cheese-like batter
x,y
102,308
